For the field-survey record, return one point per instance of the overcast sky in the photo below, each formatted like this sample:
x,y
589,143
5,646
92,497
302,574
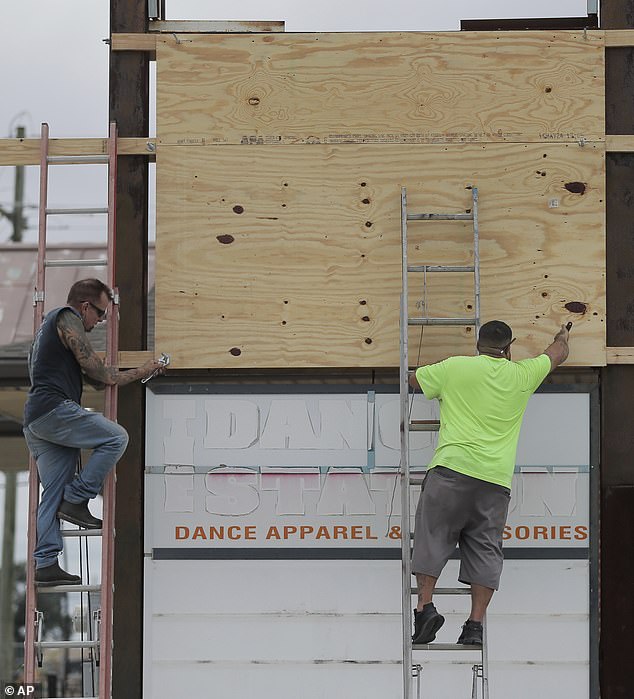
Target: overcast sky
x,y
55,69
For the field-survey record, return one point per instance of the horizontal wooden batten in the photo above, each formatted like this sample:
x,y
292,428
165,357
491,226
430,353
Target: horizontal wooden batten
x,y
620,355
615,38
619,144
193,26
133,42
619,38
131,359
26,151
147,41
381,88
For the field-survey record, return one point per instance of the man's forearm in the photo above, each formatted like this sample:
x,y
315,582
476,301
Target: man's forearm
x,y
122,378
98,373
558,350
74,337
111,376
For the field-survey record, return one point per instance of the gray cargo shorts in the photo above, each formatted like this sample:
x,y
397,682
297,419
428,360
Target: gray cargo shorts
x,y
455,509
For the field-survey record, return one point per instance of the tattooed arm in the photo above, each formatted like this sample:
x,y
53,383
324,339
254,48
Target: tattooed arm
x,y
73,335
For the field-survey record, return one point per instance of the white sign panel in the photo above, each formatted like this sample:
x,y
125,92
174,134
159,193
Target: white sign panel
x,y
321,470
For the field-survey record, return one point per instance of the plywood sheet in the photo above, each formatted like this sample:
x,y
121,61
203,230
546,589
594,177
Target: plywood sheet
x,y
380,87
290,257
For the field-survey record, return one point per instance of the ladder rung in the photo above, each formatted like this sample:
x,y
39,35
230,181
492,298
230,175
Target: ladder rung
x,y
69,588
43,645
75,263
440,217
448,591
441,268
80,532
424,425
77,159
445,646
441,321
87,210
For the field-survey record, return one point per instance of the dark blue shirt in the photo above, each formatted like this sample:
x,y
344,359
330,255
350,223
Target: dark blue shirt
x,y
55,373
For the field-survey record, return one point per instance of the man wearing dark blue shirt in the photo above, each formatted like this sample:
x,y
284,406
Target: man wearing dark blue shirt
x,y
57,428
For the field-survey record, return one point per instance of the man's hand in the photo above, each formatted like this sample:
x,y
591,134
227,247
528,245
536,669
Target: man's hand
x,y
563,333
152,366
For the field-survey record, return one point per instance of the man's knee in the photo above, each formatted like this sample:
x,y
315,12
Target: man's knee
x,y
120,439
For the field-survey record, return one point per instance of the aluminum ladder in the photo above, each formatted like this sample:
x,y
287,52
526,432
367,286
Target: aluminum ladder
x,y
99,647
412,671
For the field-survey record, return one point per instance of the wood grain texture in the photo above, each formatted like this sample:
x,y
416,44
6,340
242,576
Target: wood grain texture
x,y
620,355
290,257
394,87
619,144
133,42
616,38
194,26
131,359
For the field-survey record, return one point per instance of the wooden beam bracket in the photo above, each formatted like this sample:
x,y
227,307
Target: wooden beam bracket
x,y
120,41
620,143
134,42
187,26
131,359
619,38
619,355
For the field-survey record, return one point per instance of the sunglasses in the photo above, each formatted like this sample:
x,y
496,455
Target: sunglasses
x,y
101,312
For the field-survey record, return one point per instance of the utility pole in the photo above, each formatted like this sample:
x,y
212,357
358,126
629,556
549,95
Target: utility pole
x,y
16,216
18,199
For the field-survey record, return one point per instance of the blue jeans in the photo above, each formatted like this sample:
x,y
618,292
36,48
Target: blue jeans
x,y
55,441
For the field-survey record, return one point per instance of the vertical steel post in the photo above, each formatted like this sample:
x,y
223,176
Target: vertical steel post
x,y
404,470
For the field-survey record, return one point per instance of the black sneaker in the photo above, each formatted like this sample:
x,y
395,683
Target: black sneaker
x,y
471,633
78,514
426,624
54,575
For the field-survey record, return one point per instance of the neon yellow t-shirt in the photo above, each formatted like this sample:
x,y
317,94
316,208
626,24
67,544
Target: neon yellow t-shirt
x,y
482,403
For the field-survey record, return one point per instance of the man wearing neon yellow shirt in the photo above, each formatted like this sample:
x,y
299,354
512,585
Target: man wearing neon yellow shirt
x,y
465,495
